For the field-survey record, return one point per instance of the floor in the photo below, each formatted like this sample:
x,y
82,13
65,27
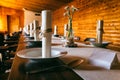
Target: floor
x,y
4,76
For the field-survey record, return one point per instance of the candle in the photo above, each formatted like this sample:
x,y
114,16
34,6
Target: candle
x,y
46,30
31,29
26,30
65,29
99,31
0,57
27,27
20,29
55,30
36,32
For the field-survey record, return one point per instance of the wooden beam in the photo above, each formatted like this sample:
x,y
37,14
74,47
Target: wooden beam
x,y
34,5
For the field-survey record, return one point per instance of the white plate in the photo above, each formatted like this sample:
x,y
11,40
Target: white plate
x,y
36,53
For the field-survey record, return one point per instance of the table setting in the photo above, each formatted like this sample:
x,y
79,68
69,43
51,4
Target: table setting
x,y
45,60
60,57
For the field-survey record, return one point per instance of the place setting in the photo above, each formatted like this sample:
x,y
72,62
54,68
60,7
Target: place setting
x,y
44,55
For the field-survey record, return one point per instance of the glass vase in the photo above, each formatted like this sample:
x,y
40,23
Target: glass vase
x,y
70,35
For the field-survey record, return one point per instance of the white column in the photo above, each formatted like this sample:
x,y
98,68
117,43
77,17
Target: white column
x,y
26,29
65,29
20,29
31,29
99,31
36,33
55,30
46,30
0,57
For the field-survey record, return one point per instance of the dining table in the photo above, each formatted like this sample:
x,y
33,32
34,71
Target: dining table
x,y
43,69
75,65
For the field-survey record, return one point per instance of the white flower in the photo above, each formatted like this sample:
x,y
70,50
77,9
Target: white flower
x,y
70,11
65,14
67,8
74,9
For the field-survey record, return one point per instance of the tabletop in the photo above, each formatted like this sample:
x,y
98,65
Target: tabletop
x,y
53,69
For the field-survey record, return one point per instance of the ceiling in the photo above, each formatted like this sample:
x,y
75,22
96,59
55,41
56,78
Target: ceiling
x,y
34,5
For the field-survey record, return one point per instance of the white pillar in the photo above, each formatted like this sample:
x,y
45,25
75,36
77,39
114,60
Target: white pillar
x,y
99,31
46,30
31,29
55,30
36,32
65,30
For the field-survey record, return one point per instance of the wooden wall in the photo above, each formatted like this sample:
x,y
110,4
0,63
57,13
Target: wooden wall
x,y
85,20
4,12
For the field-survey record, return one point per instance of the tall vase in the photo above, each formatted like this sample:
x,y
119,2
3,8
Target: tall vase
x,y
70,35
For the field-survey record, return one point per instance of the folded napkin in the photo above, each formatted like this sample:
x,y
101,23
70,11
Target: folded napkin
x,y
104,58
73,61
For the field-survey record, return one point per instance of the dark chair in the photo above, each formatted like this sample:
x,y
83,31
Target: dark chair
x,y
1,39
7,48
12,41
90,39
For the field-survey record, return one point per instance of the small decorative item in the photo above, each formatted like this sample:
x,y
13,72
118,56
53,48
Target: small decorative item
x,y
26,30
70,36
65,29
56,31
100,31
31,31
99,42
36,31
46,30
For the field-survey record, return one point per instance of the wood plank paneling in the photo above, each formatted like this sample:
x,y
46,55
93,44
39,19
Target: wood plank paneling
x,y
34,5
85,20
11,12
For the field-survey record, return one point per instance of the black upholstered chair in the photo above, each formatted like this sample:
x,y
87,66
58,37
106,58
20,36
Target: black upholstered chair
x,y
1,39
90,39
7,48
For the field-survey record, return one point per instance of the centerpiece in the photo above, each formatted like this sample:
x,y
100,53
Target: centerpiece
x,y
70,36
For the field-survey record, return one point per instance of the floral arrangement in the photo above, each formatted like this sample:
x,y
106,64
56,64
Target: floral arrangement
x,y
69,13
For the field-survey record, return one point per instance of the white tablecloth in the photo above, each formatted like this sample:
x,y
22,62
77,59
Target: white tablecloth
x,y
87,52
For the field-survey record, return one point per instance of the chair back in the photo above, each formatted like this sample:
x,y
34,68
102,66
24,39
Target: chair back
x,y
1,39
